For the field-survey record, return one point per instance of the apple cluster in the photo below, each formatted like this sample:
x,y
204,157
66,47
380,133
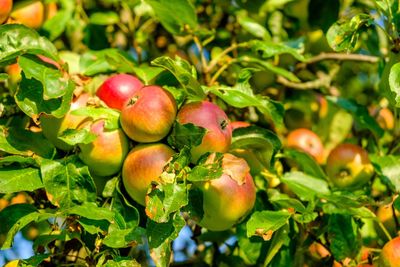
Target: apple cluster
x,y
138,149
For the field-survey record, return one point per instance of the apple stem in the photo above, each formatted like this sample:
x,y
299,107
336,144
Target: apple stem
x,y
389,237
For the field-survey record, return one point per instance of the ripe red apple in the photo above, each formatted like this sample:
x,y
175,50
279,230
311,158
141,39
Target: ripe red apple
x,y
307,141
116,90
149,114
31,14
390,254
52,127
144,164
227,199
5,9
348,166
106,154
211,117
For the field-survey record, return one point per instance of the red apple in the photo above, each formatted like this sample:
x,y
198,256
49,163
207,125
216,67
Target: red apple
x,y
307,141
30,14
52,127
106,154
229,198
211,117
149,114
348,166
390,254
239,124
144,164
5,9
116,90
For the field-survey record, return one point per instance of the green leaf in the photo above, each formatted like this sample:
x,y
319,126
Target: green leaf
x,y
283,201
174,15
110,116
305,186
165,199
265,223
186,135
242,96
91,211
343,236
121,262
253,27
184,73
15,179
77,136
68,181
17,39
206,170
54,27
388,168
343,36
104,18
15,217
29,99
18,159
360,113
306,163
394,82
268,49
54,84
160,233
262,142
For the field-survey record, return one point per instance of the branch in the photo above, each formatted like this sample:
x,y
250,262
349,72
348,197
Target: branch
x,y
342,57
214,62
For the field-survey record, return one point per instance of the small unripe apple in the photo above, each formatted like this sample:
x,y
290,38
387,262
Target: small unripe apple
x,y
307,141
229,198
106,154
31,14
385,119
144,164
390,254
53,127
348,166
5,9
149,114
385,215
211,117
14,73
116,90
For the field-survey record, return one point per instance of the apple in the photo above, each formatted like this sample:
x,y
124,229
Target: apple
x,y
144,164
390,254
51,10
116,90
307,141
348,166
386,216
52,127
5,9
106,154
239,124
211,117
149,114
385,119
14,73
229,198
30,14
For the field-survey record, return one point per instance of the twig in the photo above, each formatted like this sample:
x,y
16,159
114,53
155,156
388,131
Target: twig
x,y
214,62
202,58
342,57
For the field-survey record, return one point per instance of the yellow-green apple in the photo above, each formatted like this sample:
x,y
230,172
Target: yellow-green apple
x,y
306,141
52,127
106,154
149,114
30,14
144,164
211,117
116,90
5,9
229,198
390,254
348,166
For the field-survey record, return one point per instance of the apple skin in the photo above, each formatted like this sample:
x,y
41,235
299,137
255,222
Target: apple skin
x,y
31,15
5,9
106,154
211,117
116,90
227,199
149,115
348,166
14,73
385,215
307,141
385,119
239,124
390,254
144,164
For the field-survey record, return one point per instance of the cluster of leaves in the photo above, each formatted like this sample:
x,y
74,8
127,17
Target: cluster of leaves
x,y
262,62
